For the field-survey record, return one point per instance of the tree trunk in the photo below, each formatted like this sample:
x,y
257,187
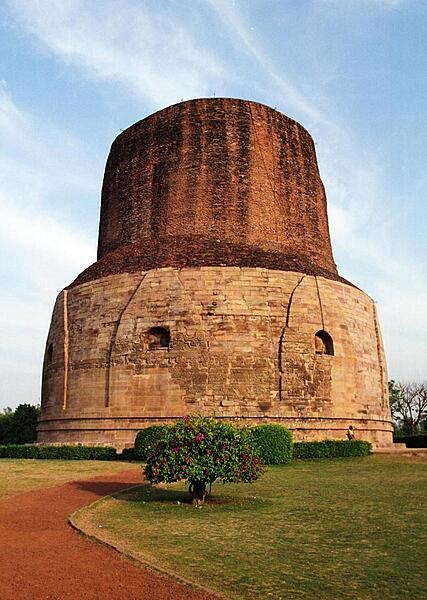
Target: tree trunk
x,y
198,492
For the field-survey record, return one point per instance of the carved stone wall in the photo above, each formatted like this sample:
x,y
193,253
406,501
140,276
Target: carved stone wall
x,y
242,346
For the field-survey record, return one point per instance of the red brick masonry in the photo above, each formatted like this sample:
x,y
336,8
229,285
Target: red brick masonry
x,y
237,179
193,251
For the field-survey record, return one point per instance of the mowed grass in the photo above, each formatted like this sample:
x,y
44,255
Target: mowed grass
x,y
21,475
349,528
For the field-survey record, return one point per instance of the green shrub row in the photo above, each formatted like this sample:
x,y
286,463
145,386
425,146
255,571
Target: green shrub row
x,y
273,443
58,452
332,449
417,440
127,454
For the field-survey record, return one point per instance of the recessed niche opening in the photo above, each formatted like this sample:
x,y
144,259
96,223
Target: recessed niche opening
x,y
323,343
49,354
158,338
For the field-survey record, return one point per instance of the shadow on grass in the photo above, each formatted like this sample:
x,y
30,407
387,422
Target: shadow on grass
x,y
143,492
147,493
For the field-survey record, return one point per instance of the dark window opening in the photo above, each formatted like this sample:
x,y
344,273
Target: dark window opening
x,y
49,354
323,343
158,338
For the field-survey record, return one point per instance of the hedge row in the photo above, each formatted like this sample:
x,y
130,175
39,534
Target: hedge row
x,y
272,442
58,452
332,449
417,440
274,445
127,454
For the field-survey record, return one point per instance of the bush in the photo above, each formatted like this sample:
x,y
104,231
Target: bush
x,y
147,439
274,443
127,454
418,440
202,450
332,449
58,452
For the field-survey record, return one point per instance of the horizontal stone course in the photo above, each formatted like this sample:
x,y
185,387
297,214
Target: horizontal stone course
x,y
232,364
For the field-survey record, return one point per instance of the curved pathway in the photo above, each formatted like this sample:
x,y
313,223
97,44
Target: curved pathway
x,y
43,558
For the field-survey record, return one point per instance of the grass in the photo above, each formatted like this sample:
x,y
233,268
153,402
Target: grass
x,y
349,528
21,475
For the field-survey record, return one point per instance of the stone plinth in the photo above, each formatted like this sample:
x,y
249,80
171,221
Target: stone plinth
x,y
242,346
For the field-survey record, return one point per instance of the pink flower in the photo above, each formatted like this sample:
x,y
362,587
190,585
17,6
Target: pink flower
x,y
199,437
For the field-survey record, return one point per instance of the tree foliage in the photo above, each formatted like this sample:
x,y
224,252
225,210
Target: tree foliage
x,y
408,403
19,426
202,450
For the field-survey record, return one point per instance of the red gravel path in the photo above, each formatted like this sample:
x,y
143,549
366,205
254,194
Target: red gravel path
x,y
43,558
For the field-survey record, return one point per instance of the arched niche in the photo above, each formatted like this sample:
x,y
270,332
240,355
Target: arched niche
x,y
158,338
49,354
323,343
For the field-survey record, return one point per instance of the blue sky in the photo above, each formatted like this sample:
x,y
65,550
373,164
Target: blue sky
x,y
74,73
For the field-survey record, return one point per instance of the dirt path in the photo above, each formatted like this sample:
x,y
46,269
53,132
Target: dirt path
x,y
43,558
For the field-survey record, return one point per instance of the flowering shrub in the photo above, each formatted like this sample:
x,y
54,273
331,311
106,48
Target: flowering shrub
x,y
202,450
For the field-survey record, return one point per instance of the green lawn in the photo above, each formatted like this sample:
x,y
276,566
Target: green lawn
x,y
348,528
21,475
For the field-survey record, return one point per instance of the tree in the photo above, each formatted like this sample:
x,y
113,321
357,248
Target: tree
x,y
408,403
19,426
202,450
24,427
6,419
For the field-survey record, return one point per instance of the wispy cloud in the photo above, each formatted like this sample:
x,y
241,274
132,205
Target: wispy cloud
x,y
364,229
387,4
42,152
245,36
47,248
366,234
149,51
37,162
160,57
42,249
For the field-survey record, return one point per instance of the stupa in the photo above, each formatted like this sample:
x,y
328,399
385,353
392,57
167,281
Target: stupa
x,y
215,290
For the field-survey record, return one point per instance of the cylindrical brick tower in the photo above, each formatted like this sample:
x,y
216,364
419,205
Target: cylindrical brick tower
x,y
215,290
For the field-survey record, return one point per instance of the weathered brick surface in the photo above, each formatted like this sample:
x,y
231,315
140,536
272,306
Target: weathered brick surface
x,y
213,227
242,347
214,182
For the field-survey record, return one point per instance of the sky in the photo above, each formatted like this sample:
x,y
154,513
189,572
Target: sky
x,y
75,73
